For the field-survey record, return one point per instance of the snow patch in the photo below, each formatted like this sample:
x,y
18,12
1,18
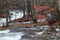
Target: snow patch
x,y
16,15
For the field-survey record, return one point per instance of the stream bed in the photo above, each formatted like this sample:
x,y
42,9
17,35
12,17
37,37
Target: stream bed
x,y
30,34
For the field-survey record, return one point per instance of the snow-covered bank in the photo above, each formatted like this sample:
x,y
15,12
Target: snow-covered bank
x,y
16,14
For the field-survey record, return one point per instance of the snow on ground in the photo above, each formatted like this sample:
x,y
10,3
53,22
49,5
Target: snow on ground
x,y
16,15
2,20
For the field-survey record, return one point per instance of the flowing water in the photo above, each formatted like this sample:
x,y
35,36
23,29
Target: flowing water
x,y
24,34
7,35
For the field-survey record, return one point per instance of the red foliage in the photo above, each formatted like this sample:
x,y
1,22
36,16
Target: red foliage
x,y
45,8
40,8
38,16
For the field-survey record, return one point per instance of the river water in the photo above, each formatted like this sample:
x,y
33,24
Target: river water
x,y
7,35
12,34
27,34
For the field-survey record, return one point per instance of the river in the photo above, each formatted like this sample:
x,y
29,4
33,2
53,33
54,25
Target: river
x,y
24,34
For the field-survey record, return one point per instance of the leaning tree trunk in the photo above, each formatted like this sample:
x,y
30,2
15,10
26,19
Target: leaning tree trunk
x,y
6,12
